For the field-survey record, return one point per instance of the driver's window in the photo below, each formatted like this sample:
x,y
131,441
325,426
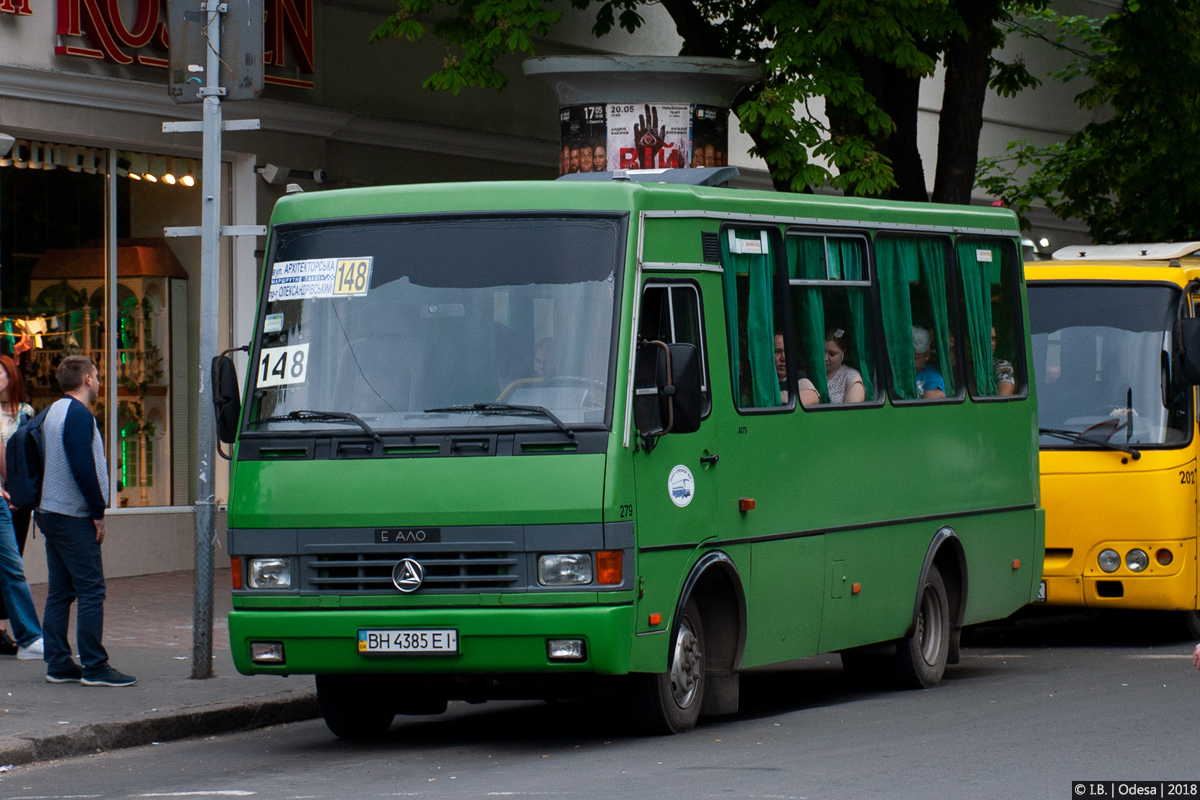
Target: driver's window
x,y
671,314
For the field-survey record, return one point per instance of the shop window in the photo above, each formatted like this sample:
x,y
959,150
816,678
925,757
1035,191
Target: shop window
x,y
830,288
671,314
991,325
753,310
54,304
915,309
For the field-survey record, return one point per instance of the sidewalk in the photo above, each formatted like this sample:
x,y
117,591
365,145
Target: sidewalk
x,y
148,634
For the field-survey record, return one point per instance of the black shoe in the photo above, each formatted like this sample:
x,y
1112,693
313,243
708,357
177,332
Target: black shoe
x,y
109,677
7,646
72,674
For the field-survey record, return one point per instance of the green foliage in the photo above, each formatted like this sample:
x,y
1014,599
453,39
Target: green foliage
x,y
1136,175
810,48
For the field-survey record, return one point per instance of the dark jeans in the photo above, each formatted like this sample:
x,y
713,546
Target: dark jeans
x,y
20,521
76,573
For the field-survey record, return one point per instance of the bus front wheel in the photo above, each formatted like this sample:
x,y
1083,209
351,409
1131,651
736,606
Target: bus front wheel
x,y
669,702
920,658
355,706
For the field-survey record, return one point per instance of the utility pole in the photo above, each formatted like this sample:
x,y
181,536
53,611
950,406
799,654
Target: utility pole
x,y
185,84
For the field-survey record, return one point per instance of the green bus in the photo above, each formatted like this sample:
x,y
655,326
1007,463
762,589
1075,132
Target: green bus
x,y
520,439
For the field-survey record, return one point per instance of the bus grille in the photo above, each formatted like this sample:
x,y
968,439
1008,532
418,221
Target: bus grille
x,y
452,571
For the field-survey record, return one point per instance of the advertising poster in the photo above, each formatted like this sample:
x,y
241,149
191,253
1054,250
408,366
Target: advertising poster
x,y
648,135
582,139
710,136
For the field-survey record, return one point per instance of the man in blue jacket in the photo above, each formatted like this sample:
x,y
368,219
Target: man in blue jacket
x,y
71,515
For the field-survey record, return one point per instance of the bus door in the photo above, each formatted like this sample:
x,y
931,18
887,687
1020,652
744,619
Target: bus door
x,y
676,481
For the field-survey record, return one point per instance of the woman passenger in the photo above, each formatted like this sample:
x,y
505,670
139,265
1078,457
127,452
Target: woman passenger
x,y
845,383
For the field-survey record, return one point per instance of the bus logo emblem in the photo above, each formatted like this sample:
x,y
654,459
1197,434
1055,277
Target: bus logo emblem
x,y
408,575
681,486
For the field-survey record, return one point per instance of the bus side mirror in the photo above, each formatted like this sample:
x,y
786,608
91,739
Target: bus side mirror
x,y
1189,366
227,401
667,395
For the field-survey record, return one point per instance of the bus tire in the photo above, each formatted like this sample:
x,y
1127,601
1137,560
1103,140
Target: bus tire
x,y
669,702
1191,624
920,658
352,710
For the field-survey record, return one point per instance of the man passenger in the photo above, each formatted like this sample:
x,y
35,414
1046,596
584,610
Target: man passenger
x,y
808,392
930,385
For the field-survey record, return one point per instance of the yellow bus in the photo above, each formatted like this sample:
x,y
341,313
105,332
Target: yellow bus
x,y
1117,420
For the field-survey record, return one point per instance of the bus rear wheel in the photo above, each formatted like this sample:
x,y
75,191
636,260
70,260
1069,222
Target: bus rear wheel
x,y
920,659
355,706
669,702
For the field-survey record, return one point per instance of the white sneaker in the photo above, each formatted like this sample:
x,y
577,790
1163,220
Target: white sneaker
x,y
32,653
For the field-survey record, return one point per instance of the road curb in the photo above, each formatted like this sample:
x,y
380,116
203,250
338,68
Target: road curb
x,y
162,726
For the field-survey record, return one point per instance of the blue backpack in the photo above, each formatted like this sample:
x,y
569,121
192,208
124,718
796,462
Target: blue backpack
x,y
24,463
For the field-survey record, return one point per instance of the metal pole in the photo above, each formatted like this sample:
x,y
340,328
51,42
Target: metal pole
x,y
210,284
112,327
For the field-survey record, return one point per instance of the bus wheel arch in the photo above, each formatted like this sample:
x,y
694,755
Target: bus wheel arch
x,y
946,552
710,616
931,641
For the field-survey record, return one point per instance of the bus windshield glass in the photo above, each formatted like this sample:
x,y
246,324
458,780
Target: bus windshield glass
x,y
435,323
1102,355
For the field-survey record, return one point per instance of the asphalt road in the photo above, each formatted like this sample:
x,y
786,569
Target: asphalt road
x,y
1029,709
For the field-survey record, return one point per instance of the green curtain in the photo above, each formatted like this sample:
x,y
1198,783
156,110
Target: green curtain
x,y
933,273
846,257
977,293
760,326
894,259
806,260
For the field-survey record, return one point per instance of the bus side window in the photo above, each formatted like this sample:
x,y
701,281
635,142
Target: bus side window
x,y
671,314
917,328
753,314
830,284
988,271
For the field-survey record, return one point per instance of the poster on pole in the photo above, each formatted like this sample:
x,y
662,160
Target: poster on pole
x,y
648,135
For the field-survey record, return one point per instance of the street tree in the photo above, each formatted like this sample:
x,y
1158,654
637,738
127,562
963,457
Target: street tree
x,y
865,58
1134,176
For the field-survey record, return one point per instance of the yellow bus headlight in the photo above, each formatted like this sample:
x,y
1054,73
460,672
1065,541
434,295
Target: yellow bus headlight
x,y
1137,560
1109,560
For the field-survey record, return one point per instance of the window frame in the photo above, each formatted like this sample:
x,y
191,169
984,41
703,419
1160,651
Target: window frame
x,y
1020,334
952,301
693,285
775,239
882,383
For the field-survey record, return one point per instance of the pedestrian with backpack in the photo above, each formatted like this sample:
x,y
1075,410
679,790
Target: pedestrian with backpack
x,y
71,517
13,411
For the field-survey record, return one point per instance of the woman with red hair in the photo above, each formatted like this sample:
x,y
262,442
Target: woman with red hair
x,y
13,408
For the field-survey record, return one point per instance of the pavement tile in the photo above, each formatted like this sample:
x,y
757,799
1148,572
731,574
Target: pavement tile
x,y
148,634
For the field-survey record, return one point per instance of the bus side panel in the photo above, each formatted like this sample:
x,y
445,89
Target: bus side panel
x,y
784,615
885,563
1003,562
648,651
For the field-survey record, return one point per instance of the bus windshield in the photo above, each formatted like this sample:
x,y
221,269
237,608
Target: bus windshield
x,y
410,324
1102,355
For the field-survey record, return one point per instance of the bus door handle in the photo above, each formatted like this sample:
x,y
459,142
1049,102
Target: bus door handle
x,y
713,459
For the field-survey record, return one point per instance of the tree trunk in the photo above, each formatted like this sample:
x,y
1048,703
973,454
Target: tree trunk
x,y
900,99
967,74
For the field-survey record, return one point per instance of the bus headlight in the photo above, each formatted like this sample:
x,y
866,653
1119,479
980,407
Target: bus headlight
x,y
1109,560
564,569
270,573
1137,560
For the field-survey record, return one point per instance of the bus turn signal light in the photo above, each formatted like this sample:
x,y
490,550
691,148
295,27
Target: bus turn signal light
x,y
235,571
1164,556
608,567
745,504
656,619
1016,563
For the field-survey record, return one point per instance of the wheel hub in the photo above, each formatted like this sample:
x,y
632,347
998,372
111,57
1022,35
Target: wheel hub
x,y
685,670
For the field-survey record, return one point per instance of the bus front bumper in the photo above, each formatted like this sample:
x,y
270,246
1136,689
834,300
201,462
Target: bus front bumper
x,y
490,640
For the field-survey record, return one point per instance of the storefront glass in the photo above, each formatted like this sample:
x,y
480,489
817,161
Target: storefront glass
x,y
54,235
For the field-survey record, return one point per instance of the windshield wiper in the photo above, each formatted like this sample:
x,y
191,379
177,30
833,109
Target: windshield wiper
x,y
504,408
1075,437
321,416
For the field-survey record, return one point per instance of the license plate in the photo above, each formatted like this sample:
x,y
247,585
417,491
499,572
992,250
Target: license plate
x,y
440,641
1041,595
